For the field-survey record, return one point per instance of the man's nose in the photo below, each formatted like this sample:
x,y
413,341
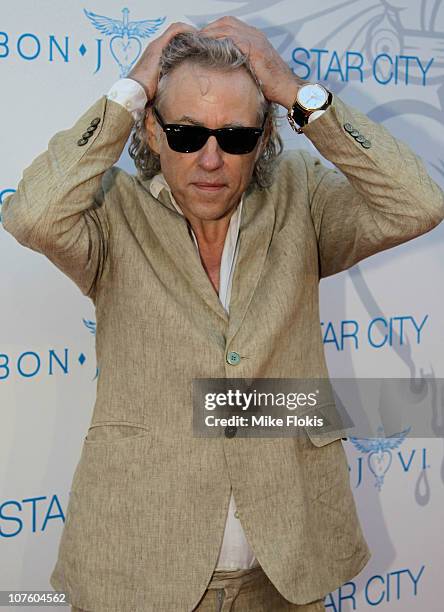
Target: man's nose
x,y
210,156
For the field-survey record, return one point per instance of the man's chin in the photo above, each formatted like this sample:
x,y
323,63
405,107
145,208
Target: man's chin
x,y
208,211
209,208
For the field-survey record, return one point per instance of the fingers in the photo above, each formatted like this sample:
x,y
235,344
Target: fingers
x,y
241,34
172,30
229,24
229,21
178,27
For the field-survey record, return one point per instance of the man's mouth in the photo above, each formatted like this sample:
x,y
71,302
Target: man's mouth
x,y
209,186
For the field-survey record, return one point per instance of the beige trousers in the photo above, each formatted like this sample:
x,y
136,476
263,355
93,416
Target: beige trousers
x,y
244,591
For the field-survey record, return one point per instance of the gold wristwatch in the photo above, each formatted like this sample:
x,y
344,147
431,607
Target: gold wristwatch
x,y
310,98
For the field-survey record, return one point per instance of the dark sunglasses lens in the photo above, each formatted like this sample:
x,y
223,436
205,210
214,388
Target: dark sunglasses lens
x,y
186,139
190,138
238,141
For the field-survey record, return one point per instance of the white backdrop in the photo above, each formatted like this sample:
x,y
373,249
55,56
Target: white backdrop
x,y
385,57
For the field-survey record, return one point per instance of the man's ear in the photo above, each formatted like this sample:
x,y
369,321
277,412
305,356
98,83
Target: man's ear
x,y
152,132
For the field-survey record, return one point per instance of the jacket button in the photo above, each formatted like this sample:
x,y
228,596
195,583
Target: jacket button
x,y
91,129
82,142
86,135
348,127
233,358
360,138
230,431
95,121
354,133
366,144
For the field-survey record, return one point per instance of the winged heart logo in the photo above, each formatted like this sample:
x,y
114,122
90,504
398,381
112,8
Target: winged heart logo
x,y
125,45
379,452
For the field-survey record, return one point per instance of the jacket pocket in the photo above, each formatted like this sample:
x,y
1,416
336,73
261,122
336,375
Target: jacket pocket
x,y
332,429
115,432
322,440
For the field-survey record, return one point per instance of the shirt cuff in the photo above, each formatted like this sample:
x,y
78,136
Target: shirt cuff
x,y
130,94
315,115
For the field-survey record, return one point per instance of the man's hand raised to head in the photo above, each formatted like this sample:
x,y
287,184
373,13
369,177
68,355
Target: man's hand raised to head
x,y
146,71
278,83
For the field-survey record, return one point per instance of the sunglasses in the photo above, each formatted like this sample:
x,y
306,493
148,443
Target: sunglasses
x,y
191,138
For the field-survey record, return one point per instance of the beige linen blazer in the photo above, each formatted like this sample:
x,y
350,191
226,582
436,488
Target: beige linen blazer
x,y
148,499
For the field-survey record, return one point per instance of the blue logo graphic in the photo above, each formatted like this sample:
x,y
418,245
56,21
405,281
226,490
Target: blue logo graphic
x,y
29,515
125,45
379,452
381,331
3,194
91,325
380,588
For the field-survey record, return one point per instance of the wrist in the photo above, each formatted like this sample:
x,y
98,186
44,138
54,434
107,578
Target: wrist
x,y
289,91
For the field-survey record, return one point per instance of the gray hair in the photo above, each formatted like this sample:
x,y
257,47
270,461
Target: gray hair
x,y
218,54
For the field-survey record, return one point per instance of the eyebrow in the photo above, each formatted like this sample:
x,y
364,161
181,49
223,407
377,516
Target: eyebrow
x,y
198,123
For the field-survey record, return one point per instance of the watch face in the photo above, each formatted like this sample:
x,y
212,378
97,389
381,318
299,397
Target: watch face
x,y
312,97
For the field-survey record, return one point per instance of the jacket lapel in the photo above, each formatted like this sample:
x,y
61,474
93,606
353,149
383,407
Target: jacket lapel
x,y
256,231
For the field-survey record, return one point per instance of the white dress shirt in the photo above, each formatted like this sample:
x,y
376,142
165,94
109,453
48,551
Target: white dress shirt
x,y
235,552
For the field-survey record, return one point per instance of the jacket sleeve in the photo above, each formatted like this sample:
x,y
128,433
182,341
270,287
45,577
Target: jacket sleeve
x,y
378,196
59,206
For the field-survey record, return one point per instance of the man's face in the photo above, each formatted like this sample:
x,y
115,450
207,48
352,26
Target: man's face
x,y
215,99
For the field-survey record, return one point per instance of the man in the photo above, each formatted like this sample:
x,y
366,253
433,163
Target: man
x,y
206,265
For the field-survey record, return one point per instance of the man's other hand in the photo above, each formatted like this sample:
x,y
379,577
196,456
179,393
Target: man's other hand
x,y
277,81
